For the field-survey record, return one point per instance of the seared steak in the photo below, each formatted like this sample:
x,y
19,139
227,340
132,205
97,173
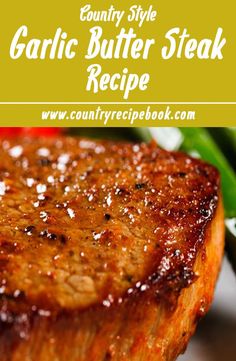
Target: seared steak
x,y
108,251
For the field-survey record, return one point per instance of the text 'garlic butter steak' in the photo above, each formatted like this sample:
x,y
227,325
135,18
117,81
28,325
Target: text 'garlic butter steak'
x,y
108,251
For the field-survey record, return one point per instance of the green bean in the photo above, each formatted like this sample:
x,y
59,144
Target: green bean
x,y
226,140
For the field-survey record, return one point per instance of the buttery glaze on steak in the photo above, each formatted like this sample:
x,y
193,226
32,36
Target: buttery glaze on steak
x,y
88,226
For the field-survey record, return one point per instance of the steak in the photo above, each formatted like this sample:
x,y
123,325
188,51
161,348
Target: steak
x,y
108,250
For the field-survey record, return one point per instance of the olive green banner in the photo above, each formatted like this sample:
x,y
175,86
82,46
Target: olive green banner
x,y
121,115
97,63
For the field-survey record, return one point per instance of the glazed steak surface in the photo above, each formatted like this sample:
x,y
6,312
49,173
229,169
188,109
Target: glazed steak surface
x,y
90,224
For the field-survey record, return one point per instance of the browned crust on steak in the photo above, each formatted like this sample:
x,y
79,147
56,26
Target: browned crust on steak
x,y
140,329
107,255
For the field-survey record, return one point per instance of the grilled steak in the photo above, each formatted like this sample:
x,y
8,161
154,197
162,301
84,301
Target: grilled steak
x,y
108,251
